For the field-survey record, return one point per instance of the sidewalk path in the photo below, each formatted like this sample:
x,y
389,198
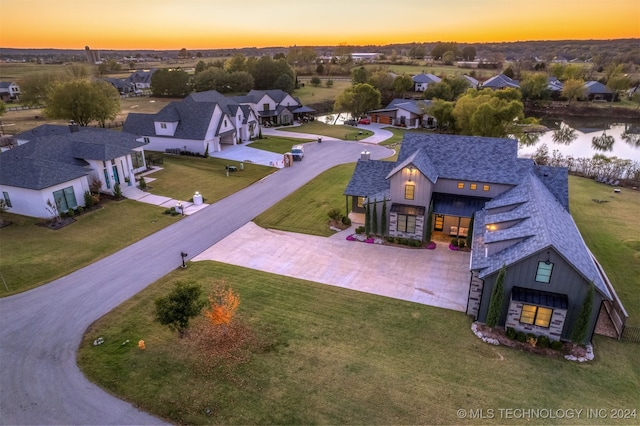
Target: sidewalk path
x,y
41,329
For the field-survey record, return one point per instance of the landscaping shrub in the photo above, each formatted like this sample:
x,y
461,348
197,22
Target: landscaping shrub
x,y
461,243
360,230
521,337
335,214
390,239
71,213
511,333
454,242
556,345
346,221
142,183
117,191
543,341
88,199
80,210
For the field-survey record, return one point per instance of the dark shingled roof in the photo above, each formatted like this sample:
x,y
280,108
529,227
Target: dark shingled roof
x,y
369,178
54,155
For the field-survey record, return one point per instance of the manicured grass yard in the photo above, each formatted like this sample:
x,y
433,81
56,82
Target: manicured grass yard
x,y
277,144
32,255
334,356
339,132
611,229
182,175
322,194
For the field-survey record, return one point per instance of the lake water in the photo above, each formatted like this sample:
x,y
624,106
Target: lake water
x,y
622,139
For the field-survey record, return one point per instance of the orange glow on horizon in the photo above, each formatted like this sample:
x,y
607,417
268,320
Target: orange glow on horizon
x,y
198,24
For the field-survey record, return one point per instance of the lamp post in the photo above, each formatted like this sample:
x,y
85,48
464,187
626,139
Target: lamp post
x,y
183,255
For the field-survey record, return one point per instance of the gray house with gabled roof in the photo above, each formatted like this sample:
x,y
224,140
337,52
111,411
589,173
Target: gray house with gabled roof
x,y
274,107
59,163
516,211
202,122
404,113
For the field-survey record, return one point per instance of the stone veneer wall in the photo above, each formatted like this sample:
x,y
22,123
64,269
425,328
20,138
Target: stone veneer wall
x,y
554,332
475,293
393,228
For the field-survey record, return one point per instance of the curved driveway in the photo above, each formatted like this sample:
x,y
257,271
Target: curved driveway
x,y
40,330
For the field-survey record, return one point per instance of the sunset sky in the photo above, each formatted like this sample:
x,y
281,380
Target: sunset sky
x,y
212,24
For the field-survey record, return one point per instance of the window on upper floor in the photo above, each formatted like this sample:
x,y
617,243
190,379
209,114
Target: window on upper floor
x,y
536,315
146,139
409,192
486,187
163,125
543,273
473,186
460,185
265,107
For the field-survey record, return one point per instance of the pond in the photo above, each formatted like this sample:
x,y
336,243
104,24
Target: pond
x,y
584,137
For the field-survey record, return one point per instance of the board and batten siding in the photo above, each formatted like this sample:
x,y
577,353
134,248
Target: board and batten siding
x,y
422,196
450,186
564,280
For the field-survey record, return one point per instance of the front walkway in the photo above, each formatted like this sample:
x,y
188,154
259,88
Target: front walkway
x,y
437,277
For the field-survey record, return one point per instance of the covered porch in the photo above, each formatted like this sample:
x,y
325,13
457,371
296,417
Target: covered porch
x,y
452,214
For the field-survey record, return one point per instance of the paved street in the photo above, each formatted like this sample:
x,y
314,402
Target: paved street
x,y
40,330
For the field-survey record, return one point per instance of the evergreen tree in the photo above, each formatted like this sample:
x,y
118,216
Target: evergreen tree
x,y
580,328
427,235
470,231
383,219
367,219
495,305
374,224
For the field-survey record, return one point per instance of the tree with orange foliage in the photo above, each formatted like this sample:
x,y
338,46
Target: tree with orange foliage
x,y
223,306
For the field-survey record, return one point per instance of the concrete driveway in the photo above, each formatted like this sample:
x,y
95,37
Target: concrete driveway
x,y
437,277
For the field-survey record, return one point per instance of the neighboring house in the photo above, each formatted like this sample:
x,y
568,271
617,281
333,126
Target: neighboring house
x,y
516,211
404,113
200,123
274,107
596,91
9,91
141,79
122,85
501,81
59,163
554,87
473,83
422,81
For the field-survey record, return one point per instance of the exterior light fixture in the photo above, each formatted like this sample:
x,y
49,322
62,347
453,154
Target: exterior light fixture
x,y
548,261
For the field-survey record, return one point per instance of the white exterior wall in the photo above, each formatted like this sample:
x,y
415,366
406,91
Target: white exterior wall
x,y
288,101
33,203
266,99
169,131
161,144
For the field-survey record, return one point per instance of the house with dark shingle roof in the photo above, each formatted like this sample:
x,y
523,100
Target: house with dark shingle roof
x,y
202,122
514,213
59,163
404,113
422,81
9,91
274,107
596,91
501,81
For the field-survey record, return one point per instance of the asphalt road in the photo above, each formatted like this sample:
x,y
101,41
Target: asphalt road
x,y
40,330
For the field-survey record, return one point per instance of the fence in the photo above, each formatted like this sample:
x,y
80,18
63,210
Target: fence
x,y
24,108
631,334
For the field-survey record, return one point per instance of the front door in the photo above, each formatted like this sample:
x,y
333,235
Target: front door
x,y
438,224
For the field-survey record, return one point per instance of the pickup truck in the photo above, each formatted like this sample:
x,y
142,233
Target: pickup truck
x,y
297,152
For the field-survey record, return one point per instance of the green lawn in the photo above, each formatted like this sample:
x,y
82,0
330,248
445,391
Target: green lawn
x,y
32,255
322,194
612,232
326,355
182,175
339,132
277,144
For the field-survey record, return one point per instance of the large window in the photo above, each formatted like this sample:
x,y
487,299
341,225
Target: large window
x,y
543,273
360,202
65,199
406,223
136,160
409,192
536,315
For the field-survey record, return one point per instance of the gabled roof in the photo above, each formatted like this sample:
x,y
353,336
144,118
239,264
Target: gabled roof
x,y
426,78
596,87
492,160
54,155
411,105
369,178
276,94
472,81
541,222
6,84
501,81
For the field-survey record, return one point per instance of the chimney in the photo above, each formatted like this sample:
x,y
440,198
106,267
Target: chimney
x,y
365,155
73,127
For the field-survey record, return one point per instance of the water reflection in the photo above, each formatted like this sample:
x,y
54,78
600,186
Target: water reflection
x,y
585,137
529,138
